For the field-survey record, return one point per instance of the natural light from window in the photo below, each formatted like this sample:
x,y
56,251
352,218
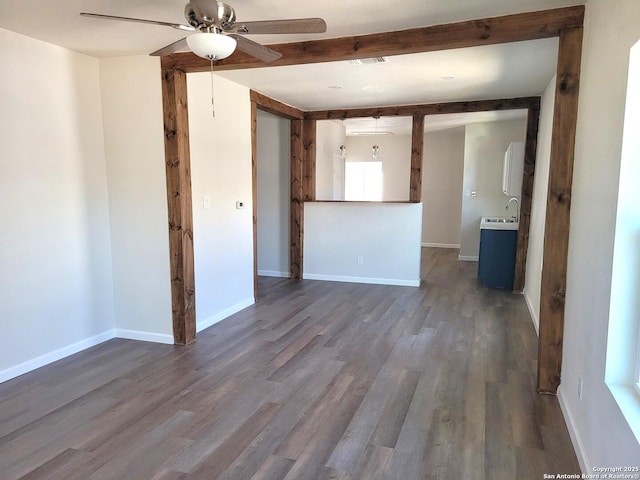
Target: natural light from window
x,y
623,343
363,181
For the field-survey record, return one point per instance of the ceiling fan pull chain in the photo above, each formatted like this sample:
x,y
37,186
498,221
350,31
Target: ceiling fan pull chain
x,y
213,106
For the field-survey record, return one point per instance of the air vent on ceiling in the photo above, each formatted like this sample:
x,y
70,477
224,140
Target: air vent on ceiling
x,y
368,61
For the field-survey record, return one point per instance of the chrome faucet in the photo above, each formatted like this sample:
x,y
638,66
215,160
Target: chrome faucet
x,y
517,206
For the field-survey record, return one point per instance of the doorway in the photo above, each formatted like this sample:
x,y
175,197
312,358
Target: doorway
x,y
273,152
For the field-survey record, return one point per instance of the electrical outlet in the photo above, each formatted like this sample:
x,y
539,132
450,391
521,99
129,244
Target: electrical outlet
x,y
360,260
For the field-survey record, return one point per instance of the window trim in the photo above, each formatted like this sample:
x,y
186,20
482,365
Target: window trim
x,y
622,369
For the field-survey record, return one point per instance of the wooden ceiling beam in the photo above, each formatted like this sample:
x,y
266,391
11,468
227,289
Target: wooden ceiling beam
x,y
425,109
275,107
471,33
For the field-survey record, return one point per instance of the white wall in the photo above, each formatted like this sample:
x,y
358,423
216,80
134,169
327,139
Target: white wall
x,y
533,277
395,155
386,236
601,434
330,134
485,144
274,181
442,172
221,170
56,291
134,146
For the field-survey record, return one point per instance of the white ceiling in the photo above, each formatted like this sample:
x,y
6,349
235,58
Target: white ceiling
x,y
478,73
500,71
58,22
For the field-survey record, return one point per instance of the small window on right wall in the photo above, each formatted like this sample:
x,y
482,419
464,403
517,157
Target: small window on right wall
x,y
623,343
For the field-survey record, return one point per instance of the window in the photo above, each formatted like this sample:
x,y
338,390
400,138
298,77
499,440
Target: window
x,y
355,140
638,368
363,181
622,373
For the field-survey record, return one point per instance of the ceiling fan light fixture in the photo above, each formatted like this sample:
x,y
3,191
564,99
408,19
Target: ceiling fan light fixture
x,y
212,46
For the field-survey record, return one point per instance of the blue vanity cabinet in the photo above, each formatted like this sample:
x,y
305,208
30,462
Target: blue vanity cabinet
x,y
497,260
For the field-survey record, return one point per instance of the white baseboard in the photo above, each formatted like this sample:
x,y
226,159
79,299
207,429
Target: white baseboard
x,y
468,258
368,280
224,314
59,354
576,440
273,273
534,315
144,336
441,245
54,356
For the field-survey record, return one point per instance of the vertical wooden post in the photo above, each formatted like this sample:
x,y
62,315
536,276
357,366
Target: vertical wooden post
x,y
417,153
297,205
177,160
309,161
530,151
556,235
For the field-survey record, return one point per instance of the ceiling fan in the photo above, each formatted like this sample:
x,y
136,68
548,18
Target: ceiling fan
x,y
218,32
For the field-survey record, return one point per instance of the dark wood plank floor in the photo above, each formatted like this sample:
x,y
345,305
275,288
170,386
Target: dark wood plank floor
x,y
319,380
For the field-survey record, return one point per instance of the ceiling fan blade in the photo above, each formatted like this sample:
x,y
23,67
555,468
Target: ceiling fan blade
x,y
177,26
174,47
255,49
299,25
206,10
